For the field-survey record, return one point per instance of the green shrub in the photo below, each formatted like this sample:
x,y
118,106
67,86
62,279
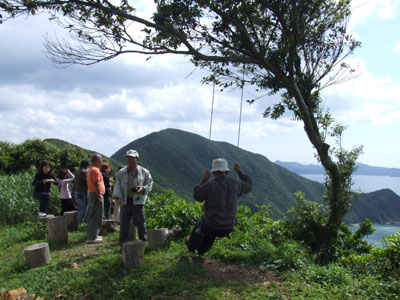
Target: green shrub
x,y
166,210
307,219
259,240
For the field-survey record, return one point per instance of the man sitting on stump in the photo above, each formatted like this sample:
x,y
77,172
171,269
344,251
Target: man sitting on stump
x,y
220,196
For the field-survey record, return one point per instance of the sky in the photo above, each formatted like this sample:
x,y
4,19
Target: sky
x,y
106,106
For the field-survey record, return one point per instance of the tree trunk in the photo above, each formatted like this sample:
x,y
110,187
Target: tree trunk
x,y
337,204
108,226
37,255
72,220
44,219
58,231
132,254
157,238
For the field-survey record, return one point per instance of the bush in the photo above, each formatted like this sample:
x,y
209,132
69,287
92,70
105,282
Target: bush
x,y
166,210
305,222
259,240
17,204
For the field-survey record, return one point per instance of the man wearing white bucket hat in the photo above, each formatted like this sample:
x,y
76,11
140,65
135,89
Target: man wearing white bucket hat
x,y
220,196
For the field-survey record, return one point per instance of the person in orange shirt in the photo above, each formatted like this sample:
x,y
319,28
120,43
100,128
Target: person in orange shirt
x,y
96,190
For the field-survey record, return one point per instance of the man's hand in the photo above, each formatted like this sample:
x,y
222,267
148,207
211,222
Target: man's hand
x,y
99,199
206,175
120,201
140,189
236,167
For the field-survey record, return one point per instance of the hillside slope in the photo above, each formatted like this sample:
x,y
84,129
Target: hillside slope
x,y
63,144
381,206
177,159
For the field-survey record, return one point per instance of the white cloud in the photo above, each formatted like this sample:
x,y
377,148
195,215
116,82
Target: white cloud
x,y
362,10
397,47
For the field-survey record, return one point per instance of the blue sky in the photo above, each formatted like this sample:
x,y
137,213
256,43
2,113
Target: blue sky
x,y
106,106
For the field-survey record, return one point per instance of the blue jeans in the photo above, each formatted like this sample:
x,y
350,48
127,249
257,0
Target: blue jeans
x,y
82,199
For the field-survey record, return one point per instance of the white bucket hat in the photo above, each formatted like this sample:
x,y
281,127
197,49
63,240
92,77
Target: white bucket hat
x,y
132,153
219,164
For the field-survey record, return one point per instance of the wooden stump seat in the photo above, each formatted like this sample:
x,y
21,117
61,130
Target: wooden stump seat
x,y
132,254
37,255
57,228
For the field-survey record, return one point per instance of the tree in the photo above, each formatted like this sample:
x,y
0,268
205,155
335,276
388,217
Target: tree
x,y
292,47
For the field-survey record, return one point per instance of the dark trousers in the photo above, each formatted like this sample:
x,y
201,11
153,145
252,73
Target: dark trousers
x,y
44,199
67,205
107,207
136,212
203,237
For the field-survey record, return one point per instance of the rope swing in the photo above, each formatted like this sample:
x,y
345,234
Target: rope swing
x,y
211,119
212,113
241,106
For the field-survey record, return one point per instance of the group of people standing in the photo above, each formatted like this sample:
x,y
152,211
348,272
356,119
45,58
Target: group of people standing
x,y
132,185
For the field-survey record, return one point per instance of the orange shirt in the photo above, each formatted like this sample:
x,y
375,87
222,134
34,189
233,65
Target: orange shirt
x,y
94,175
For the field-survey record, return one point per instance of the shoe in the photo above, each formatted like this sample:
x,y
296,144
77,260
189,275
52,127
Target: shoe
x,y
42,214
95,241
99,237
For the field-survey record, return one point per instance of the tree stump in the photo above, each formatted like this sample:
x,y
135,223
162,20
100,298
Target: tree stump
x,y
132,231
58,231
108,226
37,255
132,254
157,238
72,220
44,219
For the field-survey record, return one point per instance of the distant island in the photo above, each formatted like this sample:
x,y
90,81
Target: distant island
x,y
362,169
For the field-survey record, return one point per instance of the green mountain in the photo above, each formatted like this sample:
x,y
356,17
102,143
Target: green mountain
x,y
88,153
381,206
177,159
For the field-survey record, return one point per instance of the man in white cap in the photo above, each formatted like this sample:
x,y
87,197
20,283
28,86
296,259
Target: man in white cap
x,y
220,196
132,184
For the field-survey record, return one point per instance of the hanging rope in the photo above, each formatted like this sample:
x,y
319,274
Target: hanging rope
x,y
211,119
241,105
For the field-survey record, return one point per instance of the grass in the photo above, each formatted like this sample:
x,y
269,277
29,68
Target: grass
x,y
95,271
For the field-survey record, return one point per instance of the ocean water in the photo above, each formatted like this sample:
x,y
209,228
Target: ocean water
x,y
365,183
380,232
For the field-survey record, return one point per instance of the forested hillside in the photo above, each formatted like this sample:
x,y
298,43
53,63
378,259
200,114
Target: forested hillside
x,y
177,160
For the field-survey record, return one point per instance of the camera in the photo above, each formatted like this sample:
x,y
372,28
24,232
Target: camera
x,y
135,189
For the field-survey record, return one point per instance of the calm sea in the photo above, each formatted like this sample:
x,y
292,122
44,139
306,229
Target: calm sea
x,y
380,231
367,184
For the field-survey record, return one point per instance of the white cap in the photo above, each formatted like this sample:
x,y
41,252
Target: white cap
x,y
132,153
220,164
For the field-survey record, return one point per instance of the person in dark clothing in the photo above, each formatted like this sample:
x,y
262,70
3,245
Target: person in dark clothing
x,y
81,189
42,183
105,169
220,197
